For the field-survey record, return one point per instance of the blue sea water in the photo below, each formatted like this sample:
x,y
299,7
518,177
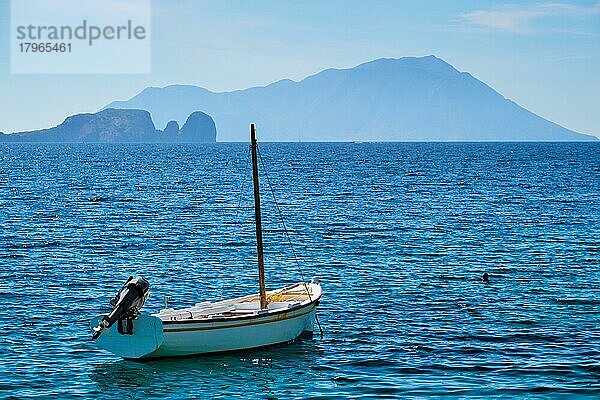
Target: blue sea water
x,y
399,234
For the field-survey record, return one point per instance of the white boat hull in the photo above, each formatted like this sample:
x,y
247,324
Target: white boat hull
x,y
154,337
219,337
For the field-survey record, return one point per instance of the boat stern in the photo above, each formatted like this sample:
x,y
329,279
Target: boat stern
x,y
145,337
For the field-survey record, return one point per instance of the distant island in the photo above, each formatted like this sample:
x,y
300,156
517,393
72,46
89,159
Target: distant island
x,y
404,99
121,126
410,98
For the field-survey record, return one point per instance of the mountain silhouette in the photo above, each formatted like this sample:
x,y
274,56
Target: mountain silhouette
x,y
410,98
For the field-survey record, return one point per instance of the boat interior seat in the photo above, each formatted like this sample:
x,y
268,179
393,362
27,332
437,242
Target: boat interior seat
x,y
278,305
212,310
247,306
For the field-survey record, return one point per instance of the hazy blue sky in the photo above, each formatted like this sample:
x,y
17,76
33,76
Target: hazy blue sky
x,y
543,55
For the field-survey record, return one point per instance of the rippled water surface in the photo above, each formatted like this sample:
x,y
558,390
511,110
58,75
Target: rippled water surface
x,y
398,233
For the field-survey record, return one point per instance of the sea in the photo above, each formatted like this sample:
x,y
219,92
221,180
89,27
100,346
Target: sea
x,y
399,235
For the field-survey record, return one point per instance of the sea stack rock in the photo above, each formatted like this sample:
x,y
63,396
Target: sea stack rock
x,y
199,127
172,129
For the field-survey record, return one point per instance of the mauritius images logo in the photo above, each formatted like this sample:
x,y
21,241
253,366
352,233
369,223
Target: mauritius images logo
x,y
80,36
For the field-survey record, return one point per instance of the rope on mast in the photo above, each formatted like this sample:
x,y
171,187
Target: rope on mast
x,y
280,214
287,235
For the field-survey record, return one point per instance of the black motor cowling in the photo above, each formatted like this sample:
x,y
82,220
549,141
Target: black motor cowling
x,y
126,306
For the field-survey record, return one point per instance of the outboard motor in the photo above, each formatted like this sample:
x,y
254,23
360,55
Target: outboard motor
x,y
126,306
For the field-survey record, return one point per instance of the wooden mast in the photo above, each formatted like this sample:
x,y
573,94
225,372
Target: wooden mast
x,y
259,245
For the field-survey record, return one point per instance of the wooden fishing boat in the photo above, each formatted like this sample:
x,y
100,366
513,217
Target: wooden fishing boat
x,y
263,319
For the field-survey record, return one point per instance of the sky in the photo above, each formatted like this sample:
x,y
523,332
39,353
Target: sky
x,y
543,55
